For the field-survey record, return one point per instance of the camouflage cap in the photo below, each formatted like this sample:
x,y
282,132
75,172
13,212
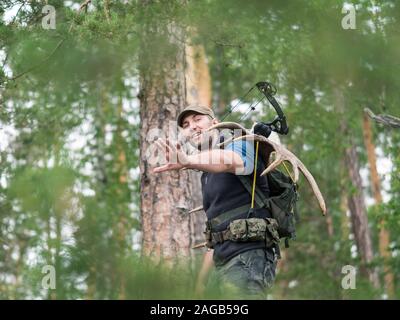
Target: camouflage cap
x,y
194,109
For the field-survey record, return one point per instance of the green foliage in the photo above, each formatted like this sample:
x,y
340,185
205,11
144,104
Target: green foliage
x,y
69,185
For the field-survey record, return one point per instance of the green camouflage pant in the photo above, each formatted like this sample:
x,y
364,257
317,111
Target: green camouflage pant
x,y
247,275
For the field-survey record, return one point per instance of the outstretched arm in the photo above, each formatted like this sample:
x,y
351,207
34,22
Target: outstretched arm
x,y
214,160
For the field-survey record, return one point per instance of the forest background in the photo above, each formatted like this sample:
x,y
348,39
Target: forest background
x,y
83,83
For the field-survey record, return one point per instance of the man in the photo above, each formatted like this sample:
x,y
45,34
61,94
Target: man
x,y
244,268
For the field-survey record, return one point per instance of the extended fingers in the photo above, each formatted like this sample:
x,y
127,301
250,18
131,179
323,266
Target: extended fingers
x,y
169,145
163,145
173,146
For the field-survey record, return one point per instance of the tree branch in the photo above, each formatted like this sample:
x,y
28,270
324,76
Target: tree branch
x,y
107,10
16,15
387,120
40,63
84,5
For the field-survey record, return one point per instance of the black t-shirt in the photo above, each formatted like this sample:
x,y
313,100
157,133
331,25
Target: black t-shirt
x,y
223,192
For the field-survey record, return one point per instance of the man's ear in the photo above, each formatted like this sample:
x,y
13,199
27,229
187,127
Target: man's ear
x,y
215,121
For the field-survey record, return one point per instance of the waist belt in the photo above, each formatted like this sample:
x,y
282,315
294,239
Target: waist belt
x,y
246,230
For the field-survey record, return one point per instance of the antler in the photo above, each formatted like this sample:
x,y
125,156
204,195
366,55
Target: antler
x,y
228,125
282,154
231,126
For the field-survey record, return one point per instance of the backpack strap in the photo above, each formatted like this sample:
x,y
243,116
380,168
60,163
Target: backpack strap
x,y
227,215
256,194
260,198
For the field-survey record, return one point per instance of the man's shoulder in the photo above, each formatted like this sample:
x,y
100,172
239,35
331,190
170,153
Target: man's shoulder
x,y
241,143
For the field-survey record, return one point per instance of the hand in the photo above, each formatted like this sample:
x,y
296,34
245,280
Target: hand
x,y
175,156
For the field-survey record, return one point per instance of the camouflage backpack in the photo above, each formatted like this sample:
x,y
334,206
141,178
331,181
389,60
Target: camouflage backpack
x,y
281,201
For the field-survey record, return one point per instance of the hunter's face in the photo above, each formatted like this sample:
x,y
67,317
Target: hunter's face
x,y
194,126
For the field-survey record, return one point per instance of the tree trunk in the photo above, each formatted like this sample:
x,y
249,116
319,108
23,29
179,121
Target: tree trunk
x,y
198,81
344,221
101,180
166,197
120,229
358,211
329,224
198,91
376,188
344,227
355,199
